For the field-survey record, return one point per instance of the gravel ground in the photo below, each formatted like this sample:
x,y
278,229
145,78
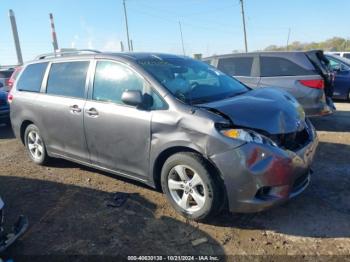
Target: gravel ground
x,y
67,206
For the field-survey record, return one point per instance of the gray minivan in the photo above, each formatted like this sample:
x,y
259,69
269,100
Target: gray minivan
x,y
171,122
302,74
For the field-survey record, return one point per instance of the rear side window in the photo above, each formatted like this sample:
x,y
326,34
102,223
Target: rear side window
x,y
278,66
32,77
346,55
236,66
112,79
68,79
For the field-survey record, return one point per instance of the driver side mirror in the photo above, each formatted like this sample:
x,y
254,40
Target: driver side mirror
x,y
1,85
132,97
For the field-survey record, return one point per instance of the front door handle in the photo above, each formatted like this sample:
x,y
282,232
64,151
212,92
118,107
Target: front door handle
x,y
92,112
75,109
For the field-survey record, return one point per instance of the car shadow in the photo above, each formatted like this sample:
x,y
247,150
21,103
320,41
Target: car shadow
x,y
71,220
6,132
338,122
322,211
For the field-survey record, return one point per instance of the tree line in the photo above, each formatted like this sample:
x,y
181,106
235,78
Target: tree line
x,y
332,44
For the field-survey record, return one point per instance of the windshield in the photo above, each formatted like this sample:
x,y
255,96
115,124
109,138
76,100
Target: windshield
x,y
192,81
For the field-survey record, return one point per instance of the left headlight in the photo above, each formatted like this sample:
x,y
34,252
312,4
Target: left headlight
x,y
247,136
242,135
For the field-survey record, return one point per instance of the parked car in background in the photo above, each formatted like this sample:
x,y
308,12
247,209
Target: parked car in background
x,y
13,77
341,67
172,122
341,54
4,108
5,75
302,74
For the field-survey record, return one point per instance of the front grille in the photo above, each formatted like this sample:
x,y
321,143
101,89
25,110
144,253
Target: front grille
x,y
292,141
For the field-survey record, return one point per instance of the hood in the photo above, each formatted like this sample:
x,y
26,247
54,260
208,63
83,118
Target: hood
x,y
268,109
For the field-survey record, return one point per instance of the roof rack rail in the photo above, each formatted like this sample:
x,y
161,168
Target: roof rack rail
x,y
66,52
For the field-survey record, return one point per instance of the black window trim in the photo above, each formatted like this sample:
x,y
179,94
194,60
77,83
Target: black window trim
x,y
145,91
47,73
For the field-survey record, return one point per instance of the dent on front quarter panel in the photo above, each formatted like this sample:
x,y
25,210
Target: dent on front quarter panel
x,y
193,129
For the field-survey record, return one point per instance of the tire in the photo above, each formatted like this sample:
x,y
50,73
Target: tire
x,y
199,200
35,145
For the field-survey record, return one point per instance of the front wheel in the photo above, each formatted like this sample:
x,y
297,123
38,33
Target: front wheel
x,y
35,145
191,186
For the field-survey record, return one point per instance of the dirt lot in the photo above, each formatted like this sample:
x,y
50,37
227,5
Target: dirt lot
x,y
67,207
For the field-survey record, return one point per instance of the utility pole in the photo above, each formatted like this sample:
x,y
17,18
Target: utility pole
x,y
182,39
288,39
127,26
244,29
121,46
131,45
15,37
53,32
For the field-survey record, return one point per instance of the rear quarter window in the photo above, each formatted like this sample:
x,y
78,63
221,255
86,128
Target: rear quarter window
x,y
236,66
279,66
32,77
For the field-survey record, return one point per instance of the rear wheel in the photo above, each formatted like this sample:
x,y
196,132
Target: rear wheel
x,y
35,145
191,186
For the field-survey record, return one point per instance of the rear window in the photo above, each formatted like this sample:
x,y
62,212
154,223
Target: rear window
x,y
68,79
32,77
236,66
278,66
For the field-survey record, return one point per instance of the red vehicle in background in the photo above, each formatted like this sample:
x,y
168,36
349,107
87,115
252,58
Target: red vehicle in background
x,y
13,77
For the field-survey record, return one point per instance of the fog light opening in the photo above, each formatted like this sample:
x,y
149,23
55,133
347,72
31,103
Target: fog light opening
x,y
263,192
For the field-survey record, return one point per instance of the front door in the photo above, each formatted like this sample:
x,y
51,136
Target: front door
x,y
118,136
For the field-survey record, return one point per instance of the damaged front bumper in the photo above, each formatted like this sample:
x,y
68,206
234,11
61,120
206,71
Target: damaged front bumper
x,y
258,176
8,238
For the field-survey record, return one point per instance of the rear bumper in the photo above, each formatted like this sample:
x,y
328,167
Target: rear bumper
x,y
323,108
258,177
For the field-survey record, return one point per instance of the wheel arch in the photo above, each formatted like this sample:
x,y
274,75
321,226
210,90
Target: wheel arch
x,y
23,128
166,153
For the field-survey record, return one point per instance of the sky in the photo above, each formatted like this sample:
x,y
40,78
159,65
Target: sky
x,y
209,26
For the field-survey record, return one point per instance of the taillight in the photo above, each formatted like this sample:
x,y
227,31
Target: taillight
x,y
314,83
10,97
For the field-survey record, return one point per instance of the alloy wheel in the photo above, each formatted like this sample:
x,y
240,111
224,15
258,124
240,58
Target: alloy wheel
x,y
187,188
35,145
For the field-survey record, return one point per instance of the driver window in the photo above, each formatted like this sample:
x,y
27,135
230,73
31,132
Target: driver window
x,y
112,79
